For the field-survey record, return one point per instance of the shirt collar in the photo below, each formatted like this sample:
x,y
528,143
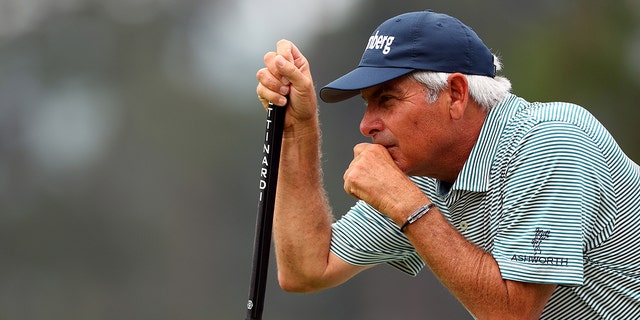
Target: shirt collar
x,y
476,172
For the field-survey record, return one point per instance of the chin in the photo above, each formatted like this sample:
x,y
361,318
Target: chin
x,y
411,171
406,171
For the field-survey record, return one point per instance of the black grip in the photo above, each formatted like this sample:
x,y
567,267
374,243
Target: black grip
x,y
264,222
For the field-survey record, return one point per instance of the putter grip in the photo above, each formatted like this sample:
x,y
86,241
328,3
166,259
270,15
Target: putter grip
x,y
264,222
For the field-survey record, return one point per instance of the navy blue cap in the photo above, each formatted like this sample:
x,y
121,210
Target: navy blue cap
x,y
423,40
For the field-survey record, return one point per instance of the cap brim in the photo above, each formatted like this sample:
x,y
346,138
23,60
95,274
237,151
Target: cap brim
x,y
360,78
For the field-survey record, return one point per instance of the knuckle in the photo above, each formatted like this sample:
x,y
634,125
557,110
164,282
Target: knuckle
x,y
268,56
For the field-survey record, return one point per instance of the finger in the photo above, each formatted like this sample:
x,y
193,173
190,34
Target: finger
x,y
263,101
286,77
358,148
269,62
291,53
271,89
265,96
299,60
285,48
300,81
366,149
348,185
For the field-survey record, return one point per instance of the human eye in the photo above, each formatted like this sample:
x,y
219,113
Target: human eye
x,y
386,100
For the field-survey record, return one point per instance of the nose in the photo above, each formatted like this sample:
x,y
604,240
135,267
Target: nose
x,y
370,123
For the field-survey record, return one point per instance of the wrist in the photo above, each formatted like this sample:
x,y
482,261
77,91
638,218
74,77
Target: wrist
x,y
411,200
306,129
301,149
416,215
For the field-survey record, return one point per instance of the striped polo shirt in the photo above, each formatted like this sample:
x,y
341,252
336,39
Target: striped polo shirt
x,y
549,193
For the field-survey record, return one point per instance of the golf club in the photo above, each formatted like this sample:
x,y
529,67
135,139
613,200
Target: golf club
x,y
264,220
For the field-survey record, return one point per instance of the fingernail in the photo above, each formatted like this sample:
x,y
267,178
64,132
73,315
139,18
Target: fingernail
x,y
282,101
285,81
280,61
284,90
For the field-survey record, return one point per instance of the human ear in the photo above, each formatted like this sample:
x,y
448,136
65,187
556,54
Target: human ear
x,y
459,93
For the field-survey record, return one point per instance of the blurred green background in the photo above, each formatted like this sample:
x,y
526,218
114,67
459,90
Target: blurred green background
x,y
130,143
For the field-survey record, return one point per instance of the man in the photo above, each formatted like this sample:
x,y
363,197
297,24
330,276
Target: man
x,y
522,210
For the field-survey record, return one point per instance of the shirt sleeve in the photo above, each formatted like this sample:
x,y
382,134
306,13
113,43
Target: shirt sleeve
x,y
549,188
364,236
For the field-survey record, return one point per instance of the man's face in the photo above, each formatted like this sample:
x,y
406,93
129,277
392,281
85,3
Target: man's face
x,y
399,118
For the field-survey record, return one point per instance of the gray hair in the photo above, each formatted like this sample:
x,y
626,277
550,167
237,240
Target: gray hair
x,y
486,91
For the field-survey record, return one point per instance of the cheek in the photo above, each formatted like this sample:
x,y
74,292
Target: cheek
x,y
418,142
414,139
411,147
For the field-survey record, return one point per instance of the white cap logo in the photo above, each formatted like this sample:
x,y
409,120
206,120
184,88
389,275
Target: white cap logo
x,y
380,42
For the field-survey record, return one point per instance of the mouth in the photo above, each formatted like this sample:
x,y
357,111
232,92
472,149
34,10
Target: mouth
x,y
386,145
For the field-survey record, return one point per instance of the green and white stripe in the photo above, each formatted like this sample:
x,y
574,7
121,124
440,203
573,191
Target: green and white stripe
x,y
549,193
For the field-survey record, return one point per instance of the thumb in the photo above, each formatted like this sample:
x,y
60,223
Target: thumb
x,y
291,53
292,75
285,49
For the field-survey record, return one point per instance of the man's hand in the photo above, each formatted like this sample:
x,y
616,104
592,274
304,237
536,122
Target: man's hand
x,y
286,80
374,177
